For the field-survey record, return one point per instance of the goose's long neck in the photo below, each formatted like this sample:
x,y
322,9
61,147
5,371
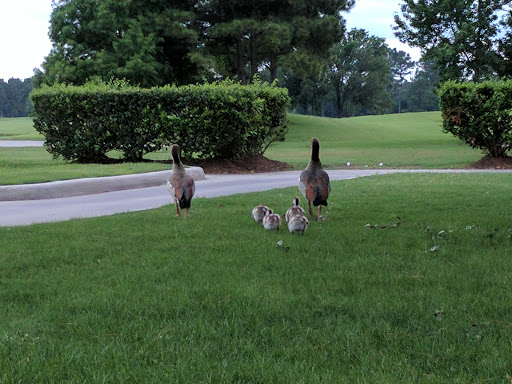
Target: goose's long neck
x,y
315,155
177,165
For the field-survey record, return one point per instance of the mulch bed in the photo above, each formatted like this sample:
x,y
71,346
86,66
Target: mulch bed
x,y
488,162
256,164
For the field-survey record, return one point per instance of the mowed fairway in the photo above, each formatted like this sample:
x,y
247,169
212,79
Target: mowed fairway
x,y
35,165
412,140
409,140
20,128
408,280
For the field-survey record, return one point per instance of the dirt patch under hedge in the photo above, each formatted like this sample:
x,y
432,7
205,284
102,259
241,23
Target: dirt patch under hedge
x,y
256,164
488,162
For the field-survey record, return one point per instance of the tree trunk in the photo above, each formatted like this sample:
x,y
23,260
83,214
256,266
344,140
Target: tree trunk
x,y
339,100
254,57
240,71
400,98
273,68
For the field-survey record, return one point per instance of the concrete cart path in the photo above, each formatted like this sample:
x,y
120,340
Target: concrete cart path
x,y
20,143
25,212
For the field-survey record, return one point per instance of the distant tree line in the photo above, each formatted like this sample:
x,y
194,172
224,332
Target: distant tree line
x,y
14,100
363,76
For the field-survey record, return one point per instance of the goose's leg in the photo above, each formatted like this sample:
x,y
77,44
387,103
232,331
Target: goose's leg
x,y
178,212
310,210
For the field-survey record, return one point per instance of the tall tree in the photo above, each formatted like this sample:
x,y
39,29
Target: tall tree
x,y
505,46
420,94
3,97
460,36
401,67
14,101
245,35
148,42
359,73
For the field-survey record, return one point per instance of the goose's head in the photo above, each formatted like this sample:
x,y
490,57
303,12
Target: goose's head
x,y
175,151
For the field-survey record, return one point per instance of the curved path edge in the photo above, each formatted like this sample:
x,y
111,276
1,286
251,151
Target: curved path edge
x,y
27,212
89,186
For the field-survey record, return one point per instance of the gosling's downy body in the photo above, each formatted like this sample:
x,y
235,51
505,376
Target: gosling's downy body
x,y
294,210
181,185
298,223
258,212
271,220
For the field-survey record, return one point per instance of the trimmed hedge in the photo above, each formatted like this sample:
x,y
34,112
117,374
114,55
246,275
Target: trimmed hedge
x,y
223,120
480,114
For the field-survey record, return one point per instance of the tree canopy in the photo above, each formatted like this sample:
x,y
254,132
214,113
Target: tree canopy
x,y
304,44
359,72
14,100
401,67
154,42
467,40
146,42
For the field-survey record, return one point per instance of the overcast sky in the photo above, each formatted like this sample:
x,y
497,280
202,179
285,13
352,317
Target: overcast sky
x,y
24,41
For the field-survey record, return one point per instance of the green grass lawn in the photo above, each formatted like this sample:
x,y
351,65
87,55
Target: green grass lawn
x,y
18,129
421,294
36,165
411,140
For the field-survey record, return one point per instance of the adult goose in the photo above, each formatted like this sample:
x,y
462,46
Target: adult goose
x,y
181,185
314,182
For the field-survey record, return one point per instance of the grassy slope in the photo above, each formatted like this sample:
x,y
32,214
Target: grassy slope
x,y
18,129
409,140
35,165
404,141
146,297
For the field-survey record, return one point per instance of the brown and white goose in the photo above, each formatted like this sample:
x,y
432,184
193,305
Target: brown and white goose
x,y
181,185
314,182
294,210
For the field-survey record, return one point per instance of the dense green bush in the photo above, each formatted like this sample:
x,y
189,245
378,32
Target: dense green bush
x,y
224,120
480,114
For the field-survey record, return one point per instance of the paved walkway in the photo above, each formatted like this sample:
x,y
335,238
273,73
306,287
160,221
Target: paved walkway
x,y
25,212
20,143
102,196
